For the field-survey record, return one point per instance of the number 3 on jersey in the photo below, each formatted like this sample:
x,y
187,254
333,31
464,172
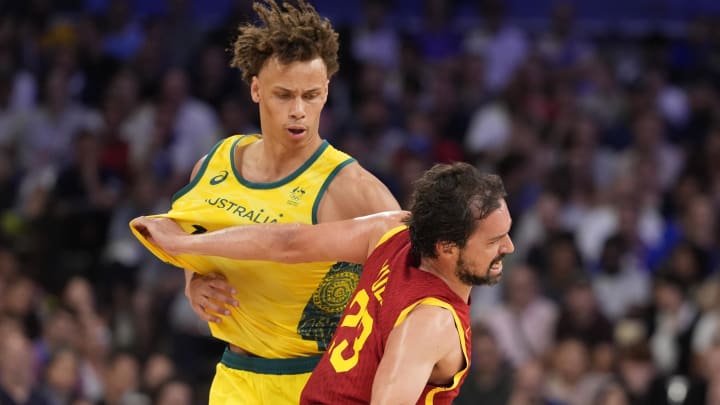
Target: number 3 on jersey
x,y
362,318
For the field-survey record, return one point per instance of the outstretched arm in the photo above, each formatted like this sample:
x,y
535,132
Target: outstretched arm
x,y
350,240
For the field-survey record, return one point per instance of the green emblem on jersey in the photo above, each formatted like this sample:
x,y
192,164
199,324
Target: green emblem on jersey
x,y
324,309
219,178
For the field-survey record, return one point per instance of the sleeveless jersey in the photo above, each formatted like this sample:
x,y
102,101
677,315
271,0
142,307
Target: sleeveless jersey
x,y
390,287
284,310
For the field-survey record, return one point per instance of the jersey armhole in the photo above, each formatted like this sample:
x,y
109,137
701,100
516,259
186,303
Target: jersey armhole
x,y
462,335
389,234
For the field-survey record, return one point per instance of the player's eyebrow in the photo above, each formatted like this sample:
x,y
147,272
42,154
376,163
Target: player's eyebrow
x,y
282,88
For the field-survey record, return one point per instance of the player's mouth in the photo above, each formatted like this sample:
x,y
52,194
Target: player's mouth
x,y
496,267
296,131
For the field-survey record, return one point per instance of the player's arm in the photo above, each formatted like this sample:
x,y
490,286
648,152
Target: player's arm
x,y
355,192
425,338
208,294
350,240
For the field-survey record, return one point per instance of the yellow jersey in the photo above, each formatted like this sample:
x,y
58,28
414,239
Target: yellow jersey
x,y
285,310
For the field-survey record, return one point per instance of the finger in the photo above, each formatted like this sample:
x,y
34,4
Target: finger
x,y
207,317
223,286
216,308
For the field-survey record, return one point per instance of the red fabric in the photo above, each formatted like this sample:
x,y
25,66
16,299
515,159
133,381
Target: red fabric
x,y
405,286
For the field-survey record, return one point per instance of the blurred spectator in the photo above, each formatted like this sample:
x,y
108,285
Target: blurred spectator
x,y
620,284
529,387
61,382
559,264
174,392
17,382
525,323
501,45
707,331
48,142
569,381
84,195
581,319
712,373
636,372
490,380
123,33
374,39
671,324
122,381
611,393
159,369
19,303
562,45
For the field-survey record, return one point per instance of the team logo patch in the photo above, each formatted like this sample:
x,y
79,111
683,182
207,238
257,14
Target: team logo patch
x,y
296,195
219,178
324,309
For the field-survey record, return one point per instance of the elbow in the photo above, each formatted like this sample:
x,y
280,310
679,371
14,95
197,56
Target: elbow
x,y
291,248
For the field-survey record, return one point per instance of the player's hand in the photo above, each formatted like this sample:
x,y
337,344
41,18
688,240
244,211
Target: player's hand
x,y
162,232
210,296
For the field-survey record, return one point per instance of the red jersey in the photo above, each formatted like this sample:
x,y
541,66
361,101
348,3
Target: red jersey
x,y
389,288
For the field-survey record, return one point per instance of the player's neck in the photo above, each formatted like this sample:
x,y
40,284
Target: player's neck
x,y
447,275
268,161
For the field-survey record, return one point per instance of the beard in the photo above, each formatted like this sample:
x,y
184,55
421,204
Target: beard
x,y
466,276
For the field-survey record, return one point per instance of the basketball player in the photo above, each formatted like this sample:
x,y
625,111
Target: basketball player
x,y
405,335
286,313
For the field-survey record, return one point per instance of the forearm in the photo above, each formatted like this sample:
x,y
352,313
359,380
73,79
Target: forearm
x,y
276,242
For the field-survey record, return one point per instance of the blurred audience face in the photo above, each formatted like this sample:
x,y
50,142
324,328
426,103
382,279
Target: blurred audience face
x,y
18,297
175,393
122,376
580,301
61,330
62,371
571,360
159,368
16,361
530,378
521,286
486,354
636,371
78,294
613,395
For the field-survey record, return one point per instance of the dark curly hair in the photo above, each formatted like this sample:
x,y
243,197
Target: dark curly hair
x,y
447,203
291,34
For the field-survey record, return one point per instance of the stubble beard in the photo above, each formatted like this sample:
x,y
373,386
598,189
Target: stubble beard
x,y
466,276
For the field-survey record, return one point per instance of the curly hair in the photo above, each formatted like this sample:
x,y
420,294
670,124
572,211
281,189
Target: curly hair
x,y
447,203
291,34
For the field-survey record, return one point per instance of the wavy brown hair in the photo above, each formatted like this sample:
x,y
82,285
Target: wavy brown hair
x,y
289,33
448,202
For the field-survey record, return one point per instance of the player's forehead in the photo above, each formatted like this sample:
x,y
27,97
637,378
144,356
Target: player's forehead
x,y
496,224
297,75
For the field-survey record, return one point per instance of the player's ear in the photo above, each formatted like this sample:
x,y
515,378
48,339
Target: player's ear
x,y
445,248
255,89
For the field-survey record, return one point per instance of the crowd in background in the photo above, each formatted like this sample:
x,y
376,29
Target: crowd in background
x,y
608,144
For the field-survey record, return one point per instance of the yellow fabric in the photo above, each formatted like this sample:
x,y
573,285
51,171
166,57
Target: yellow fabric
x,y
284,310
462,334
389,234
229,387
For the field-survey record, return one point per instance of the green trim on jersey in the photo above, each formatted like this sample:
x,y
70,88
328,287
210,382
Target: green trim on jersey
x,y
296,365
324,187
199,174
292,176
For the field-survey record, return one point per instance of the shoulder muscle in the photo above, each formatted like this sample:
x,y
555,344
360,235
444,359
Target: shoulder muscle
x,y
353,193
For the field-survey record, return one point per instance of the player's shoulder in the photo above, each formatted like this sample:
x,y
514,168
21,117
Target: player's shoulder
x,y
355,185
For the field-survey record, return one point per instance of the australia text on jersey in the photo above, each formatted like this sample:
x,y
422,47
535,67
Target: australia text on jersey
x,y
257,216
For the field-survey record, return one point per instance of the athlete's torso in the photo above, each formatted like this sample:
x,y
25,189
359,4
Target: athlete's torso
x,y
390,287
284,310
